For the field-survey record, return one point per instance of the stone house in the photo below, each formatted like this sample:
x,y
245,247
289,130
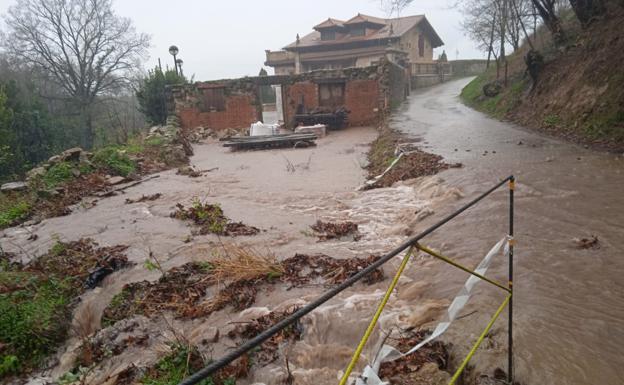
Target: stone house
x,y
359,42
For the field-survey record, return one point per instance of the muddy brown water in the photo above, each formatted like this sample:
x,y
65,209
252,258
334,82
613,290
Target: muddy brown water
x,y
569,303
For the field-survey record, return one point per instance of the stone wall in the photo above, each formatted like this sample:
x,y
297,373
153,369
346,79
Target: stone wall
x,y
368,92
241,104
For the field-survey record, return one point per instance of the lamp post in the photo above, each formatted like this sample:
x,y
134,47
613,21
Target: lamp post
x,y
179,62
173,50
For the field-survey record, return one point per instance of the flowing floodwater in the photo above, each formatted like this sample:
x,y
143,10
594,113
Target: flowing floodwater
x,y
569,303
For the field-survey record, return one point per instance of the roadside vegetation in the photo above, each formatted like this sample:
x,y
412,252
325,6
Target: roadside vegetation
x,y
66,178
37,299
564,82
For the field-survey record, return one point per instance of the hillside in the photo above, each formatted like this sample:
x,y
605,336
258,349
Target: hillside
x,y
579,95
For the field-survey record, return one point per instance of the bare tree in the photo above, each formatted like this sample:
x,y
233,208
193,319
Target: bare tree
x,y
85,47
547,10
394,7
480,24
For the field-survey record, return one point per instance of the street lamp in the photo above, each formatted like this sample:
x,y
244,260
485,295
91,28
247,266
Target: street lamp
x,y
179,62
173,50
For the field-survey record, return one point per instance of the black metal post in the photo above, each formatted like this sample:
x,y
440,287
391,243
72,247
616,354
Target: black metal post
x,y
510,374
175,63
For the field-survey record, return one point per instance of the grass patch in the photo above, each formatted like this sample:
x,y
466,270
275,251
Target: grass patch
x,y
58,174
381,153
155,141
34,316
36,300
184,360
13,211
174,367
497,106
114,161
473,90
244,263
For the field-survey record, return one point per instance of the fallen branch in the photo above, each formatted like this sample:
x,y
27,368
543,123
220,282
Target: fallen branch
x,y
115,191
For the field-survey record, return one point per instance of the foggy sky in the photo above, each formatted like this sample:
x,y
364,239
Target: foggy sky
x,y
227,38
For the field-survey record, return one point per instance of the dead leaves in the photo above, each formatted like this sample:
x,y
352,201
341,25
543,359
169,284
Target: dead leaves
x,y
198,289
330,230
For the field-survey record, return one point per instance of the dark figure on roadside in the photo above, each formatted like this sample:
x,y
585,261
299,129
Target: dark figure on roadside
x,y
534,62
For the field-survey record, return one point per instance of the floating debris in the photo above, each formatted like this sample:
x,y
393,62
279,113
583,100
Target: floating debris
x,y
330,230
212,220
406,369
587,243
144,198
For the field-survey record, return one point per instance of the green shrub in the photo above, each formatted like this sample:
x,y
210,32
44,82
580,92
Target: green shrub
x,y
9,364
13,212
114,161
57,174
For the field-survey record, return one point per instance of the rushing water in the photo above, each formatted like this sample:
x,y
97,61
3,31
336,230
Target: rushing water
x,y
569,303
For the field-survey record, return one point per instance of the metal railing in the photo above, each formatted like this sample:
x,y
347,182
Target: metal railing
x,y
412,242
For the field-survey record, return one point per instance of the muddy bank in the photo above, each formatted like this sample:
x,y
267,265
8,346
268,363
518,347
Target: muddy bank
x,y
413,163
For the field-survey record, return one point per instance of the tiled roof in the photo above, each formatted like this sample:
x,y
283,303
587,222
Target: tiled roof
x,y
396,27
330,23
359,18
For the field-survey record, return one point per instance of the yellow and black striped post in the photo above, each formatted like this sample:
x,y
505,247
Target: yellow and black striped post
x,y
510,368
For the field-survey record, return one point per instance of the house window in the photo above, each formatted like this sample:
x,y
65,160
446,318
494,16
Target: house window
x,y
331,94
328,35
358,32
213,99
421,46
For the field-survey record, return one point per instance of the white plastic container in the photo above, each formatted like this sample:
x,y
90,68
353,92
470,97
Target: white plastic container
x,y
259,128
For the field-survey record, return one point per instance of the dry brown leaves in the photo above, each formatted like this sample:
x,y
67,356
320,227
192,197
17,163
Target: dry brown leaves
x,y
236,229
70,193
398,370
413,165
302,269
184,290
79,260
331,230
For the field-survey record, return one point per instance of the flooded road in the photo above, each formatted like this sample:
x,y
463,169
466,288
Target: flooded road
x,y
569,303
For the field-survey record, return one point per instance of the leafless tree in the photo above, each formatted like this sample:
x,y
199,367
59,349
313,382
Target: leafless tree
x,y
547,10
480,24
394,7
86,48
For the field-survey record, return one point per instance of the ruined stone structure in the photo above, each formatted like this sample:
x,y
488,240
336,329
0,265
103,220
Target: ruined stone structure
x,y
366,93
